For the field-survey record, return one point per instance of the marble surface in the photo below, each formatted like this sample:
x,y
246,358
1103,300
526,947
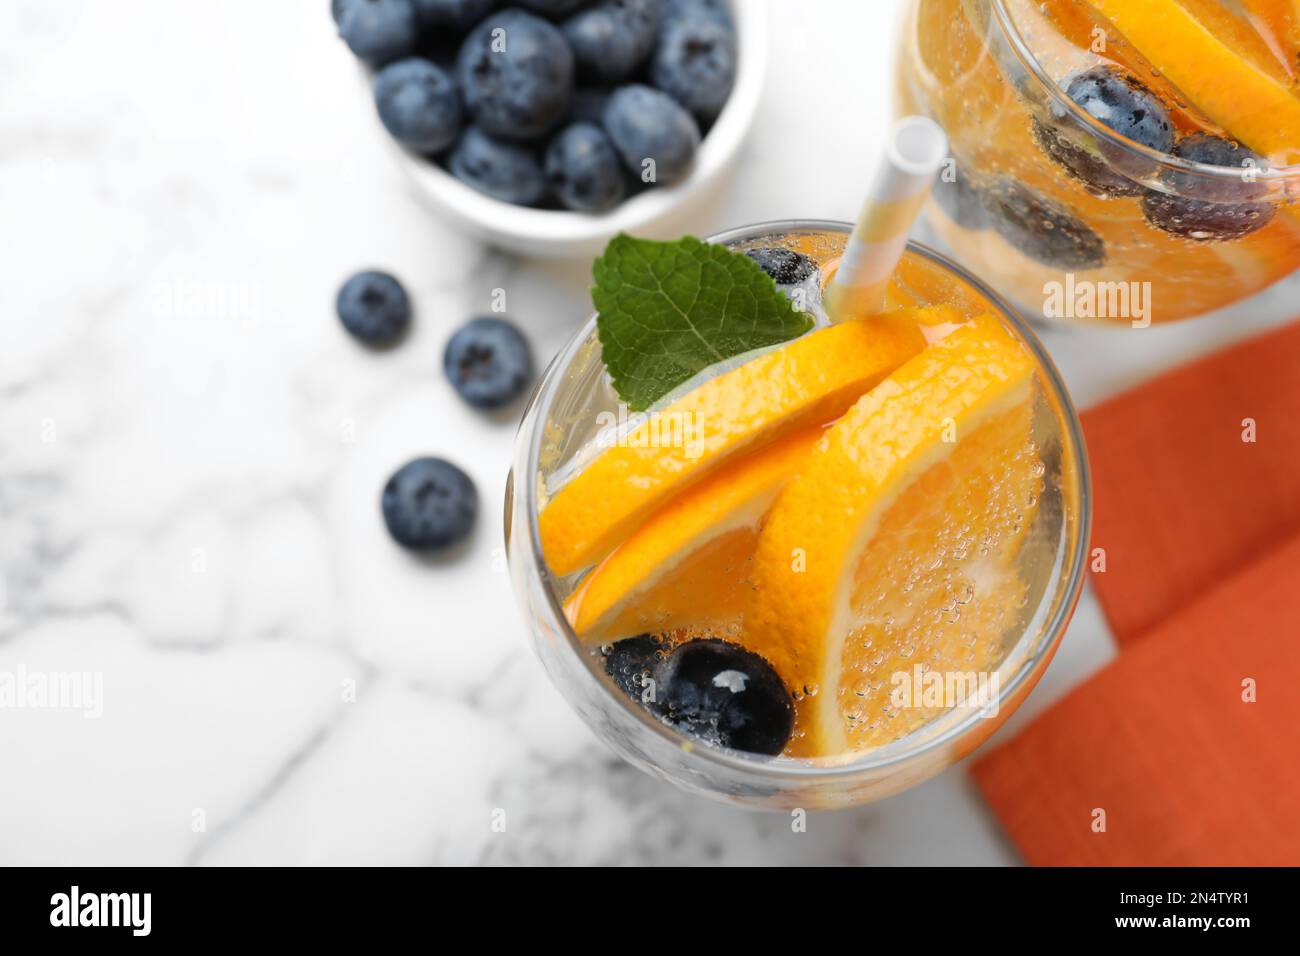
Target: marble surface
x,y
191,453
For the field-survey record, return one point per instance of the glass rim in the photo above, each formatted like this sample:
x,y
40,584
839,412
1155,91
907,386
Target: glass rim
x,y
1011,32
888,755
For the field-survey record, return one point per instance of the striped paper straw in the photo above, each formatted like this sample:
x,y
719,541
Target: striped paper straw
x,y
914,152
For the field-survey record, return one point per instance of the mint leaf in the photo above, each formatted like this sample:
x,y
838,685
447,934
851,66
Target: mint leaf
x,y
667,310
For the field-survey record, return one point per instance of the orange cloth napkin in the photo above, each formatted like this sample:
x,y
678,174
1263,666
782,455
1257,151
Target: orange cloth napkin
x,y
1179,500
1186,771
1202,589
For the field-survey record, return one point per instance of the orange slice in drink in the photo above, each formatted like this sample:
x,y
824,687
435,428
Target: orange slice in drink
x,y
1223,81
1278,23
687,566
809,381
1245,33
893,547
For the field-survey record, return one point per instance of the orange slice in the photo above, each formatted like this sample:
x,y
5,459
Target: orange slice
x,y
809,381
1278,22
1245,34
1222,81
687,567
893,546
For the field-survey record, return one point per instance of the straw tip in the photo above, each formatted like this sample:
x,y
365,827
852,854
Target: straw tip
x,y
917,145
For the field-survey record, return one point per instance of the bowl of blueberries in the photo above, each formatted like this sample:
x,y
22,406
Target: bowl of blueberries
x,y
547,126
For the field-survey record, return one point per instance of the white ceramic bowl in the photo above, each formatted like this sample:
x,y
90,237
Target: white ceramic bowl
x,y
662,212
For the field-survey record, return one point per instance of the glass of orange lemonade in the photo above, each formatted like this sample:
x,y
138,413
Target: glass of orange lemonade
x,y
806,570
1121,161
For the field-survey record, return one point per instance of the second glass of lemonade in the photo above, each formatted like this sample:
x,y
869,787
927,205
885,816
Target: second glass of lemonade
x,y
818,572
1116,161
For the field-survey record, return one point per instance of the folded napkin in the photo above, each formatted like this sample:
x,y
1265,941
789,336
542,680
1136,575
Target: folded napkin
x,y
1184,750
1166,743
1179,499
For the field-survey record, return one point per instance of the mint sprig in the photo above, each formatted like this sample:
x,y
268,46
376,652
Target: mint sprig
x,y
668,310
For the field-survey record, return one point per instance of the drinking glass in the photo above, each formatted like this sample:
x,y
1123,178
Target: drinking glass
x,y
561,419
1056,210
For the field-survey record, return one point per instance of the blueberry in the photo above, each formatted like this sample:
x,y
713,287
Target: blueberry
x,y
378,31
695,64
725,695
709,9
418,104
645,124
337,7
506,171
516,74
429,504
960,200
1087,167
452,14
1210,150
1041,228
488,362
583,170
1121,102
1222,210
785,266
374,307
552,8
611,39
630,661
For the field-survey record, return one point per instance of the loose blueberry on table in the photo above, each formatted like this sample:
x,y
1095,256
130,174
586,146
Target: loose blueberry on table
x,y
429,504
488,362
374,307
556,104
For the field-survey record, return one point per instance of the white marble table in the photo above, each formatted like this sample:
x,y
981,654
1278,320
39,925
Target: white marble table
x,y
191,453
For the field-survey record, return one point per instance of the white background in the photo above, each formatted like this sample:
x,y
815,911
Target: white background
x,y
191,453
